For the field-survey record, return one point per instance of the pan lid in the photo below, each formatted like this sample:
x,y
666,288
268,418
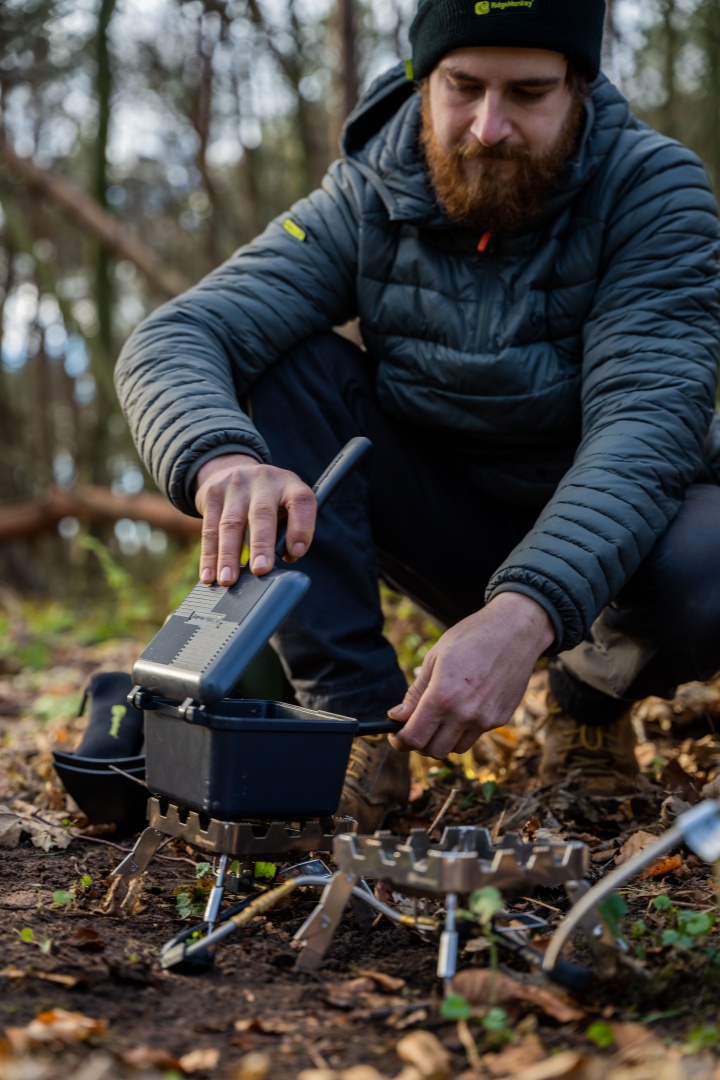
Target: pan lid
x,y
207,643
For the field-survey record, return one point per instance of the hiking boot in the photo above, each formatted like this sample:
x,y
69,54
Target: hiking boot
x,y
602,755
377,781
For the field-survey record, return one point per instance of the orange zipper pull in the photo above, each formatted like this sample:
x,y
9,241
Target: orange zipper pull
x,y
484,242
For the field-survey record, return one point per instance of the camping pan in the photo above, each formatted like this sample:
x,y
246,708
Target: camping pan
x,y
239,758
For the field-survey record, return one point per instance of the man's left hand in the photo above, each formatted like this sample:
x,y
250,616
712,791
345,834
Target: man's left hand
x,y
474,678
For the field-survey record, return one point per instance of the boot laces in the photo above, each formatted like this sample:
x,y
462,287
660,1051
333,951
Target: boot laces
x,y
591,748
362,756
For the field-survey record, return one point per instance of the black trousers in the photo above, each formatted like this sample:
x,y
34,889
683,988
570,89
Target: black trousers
x,y
412,515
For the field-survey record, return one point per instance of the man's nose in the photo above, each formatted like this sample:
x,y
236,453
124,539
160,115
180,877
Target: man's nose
x,y
491,123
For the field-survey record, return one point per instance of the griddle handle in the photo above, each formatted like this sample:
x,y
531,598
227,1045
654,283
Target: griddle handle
x,y
378,725
338,469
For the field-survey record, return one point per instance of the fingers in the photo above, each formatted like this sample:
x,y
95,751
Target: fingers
x,y
269,494
238,496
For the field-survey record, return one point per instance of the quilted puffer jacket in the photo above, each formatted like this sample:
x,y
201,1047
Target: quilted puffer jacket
x,y
574,363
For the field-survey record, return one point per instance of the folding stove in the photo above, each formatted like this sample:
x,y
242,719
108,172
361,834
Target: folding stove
x,y
239,780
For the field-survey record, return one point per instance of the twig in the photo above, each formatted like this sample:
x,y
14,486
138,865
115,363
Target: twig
x,y
127,850
473,1055
114,768
443,810
99,840
316,1057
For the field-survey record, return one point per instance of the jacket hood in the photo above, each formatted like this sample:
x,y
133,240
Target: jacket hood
x,y
382,139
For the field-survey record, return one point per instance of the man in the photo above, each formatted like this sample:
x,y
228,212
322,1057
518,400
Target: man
x,y
535,275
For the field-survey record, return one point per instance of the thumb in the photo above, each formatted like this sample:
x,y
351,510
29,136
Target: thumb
x,y
407,706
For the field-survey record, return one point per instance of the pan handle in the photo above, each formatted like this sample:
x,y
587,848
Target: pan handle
x,y
338,469
378,725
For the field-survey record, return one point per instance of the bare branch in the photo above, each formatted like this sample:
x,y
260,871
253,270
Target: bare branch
x,y
87,213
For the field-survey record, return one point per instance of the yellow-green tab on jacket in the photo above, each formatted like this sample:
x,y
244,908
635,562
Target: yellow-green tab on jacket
x,y
294,230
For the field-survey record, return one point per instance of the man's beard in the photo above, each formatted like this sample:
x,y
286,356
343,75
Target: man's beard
x,y
480,195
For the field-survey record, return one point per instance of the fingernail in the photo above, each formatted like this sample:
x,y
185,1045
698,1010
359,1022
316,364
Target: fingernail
x,y
298,549
396,712
225,575
259,562
206,575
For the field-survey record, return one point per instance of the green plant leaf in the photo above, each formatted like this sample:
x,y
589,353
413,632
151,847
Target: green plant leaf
x,y
485,904
495,1020
695,923
612,909
265,871
662,903
489,790
702,1037
601,1034
673,937
62,897
455,1007
438,772
203,869
27,934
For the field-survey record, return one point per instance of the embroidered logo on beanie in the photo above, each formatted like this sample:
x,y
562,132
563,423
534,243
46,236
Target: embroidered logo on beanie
x,y
484,7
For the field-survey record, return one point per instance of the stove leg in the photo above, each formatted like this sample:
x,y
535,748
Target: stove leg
x,y
212,908
316,933
447,953
126,875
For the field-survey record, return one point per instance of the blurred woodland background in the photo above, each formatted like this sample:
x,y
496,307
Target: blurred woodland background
x,y
141,142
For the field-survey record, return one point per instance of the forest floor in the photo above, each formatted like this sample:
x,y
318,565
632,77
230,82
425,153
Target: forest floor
x,y
83,995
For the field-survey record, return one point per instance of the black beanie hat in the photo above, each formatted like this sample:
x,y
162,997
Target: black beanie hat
x,y
572,27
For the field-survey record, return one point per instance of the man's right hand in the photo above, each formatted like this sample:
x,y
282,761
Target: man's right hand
x,y
237,494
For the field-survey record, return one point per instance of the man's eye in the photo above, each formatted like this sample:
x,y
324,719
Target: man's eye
x,y
530,95
463,88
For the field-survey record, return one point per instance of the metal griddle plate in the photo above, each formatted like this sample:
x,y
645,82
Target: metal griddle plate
x,y
462,860
248,840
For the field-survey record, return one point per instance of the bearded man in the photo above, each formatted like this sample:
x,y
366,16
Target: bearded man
x,y
536,281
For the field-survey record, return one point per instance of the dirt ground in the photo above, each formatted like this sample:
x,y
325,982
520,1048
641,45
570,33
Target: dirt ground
x,y
82,993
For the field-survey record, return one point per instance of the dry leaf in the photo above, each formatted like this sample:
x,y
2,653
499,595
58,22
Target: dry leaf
x,y
351,987
634,845
84,937
636,1042
390,983
22,900
406,1020
423,1050
664,865
63,980
482,987
361,1072
566,1064
272,1026
47,832
254,1066
646,753
150,1057
55,1025
10,828
199,1060
514,1059
11,972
